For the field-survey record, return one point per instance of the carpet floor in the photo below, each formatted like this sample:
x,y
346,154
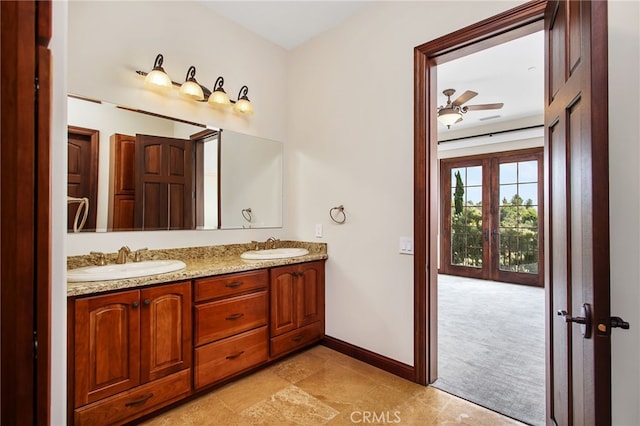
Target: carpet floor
x,y
491,345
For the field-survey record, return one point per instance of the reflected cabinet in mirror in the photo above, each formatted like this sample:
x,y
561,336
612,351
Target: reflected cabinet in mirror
x,y
135,170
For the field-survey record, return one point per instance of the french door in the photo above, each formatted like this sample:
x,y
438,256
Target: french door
x,y
490,206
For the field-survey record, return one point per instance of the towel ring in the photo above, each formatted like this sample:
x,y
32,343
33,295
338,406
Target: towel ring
x,y
338,211
246,213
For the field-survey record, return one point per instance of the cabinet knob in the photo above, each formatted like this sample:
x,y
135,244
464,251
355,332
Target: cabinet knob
x,y
135,304
147,302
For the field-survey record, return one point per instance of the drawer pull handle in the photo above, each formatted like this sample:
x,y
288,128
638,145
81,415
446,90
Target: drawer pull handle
x,y
140,400
234,356
234,284
234,317
297,338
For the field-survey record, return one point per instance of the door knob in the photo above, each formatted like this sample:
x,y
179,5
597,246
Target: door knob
x,y
584,319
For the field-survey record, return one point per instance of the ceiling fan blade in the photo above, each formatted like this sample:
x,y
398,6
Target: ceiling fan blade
x,y
465,97
484,106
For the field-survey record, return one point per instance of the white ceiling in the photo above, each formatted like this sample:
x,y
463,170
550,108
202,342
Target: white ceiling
x,y
287,23
512,73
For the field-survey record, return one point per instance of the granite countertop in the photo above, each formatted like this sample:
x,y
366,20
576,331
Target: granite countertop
x,y
201,262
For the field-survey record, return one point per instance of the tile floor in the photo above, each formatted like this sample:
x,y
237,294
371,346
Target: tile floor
x,y
321,386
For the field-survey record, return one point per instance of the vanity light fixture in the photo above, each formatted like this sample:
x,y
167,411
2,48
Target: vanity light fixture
x,y
243,104
219,97
190,89
158,78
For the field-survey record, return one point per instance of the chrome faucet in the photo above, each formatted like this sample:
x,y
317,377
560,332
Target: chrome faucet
x,y
122,255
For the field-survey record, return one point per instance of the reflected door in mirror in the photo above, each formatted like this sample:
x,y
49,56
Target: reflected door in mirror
x,y
122,208
164,195
82,173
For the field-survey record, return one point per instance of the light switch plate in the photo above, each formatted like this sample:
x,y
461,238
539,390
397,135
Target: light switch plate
x,y
406,245
318,230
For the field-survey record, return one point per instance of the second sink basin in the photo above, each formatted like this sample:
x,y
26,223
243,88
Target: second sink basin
x,y
125,270
278,253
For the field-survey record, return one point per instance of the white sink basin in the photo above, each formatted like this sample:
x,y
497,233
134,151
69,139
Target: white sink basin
x,y
125,270
278,253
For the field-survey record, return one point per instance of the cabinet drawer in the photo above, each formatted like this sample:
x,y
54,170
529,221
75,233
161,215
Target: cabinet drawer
x,y
223,318
136,402
229,285
296,339
224,358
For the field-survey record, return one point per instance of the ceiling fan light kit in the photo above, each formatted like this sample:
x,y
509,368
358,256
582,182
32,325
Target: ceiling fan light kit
x,y
452,112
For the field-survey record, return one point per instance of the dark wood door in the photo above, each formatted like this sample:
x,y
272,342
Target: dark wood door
x,y
124,182
164,183
82,175
107,345
576,154
25,222
165,327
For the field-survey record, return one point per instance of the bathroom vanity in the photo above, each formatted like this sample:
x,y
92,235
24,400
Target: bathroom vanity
x,y
137,345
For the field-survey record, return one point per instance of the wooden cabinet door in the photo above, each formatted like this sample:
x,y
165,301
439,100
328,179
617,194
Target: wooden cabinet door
x,y
283,299
310,293
165,330
107,346
297,296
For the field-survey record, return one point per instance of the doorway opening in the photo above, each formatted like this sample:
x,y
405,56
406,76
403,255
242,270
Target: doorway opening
x,y
490,254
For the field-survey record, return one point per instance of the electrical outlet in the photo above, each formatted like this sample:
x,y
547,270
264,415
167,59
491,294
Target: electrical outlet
x,y
318,230
406,245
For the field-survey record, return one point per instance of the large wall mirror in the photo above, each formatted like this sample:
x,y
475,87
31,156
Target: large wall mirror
x,y
135,170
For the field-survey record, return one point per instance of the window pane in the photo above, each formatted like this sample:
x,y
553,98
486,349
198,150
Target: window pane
x,y
529,193
508,173
507,192
474,176
463,175
474,196
528,171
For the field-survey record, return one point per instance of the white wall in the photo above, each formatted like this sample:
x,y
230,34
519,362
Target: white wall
x,y
624,184
108,41
59,216
350,142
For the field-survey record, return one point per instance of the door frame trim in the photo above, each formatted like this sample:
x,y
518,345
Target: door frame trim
x,y
509,25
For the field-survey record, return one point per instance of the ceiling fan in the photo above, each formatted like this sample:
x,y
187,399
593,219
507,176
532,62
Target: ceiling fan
x,y
452,112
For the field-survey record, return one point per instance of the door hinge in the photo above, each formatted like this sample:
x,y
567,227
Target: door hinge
x,y
35,345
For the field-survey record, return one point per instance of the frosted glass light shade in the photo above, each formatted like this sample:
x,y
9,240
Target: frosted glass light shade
x,y
243,106
219,98
449,116
191,90
158,80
